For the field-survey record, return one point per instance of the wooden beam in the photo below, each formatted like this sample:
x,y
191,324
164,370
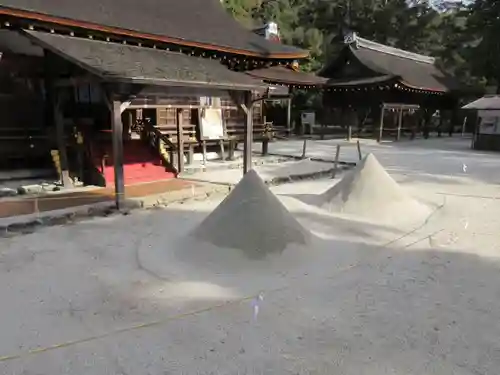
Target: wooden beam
x,y
180,141
117,131
248,137
124,106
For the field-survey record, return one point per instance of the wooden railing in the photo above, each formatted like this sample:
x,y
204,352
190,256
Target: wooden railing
x,y
161,142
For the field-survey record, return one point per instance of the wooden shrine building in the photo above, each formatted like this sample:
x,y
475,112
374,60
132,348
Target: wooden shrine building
x,y
369,82
282,79
126,91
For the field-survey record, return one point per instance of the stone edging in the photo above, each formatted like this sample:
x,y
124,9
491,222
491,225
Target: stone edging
x,y
27,225
73,215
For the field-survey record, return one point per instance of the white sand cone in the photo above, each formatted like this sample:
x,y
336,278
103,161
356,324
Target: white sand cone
x,y
369,191
252,218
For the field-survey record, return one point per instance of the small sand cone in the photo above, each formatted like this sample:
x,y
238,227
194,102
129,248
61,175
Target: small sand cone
x,y
252,218
369,191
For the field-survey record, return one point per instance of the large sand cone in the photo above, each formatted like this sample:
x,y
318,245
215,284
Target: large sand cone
x,y
369,191
251,218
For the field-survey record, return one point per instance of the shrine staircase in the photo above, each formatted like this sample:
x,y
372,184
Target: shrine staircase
x,y
141,163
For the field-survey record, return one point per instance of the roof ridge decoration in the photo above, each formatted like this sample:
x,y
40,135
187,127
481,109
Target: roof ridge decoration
x,y
356,41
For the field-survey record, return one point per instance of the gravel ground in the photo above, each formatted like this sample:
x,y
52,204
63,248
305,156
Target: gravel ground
x,y
367,298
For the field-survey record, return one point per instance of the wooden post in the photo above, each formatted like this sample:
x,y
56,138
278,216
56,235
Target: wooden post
x,y
204,151
61,143
336,163
381,125
289,117
180,141
190,156
265,147
358,145
117,131
230,151
463,126
221,149
248,137
130,124
400,123
304,148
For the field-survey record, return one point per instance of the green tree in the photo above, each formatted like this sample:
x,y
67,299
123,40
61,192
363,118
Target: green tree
x,y
483,31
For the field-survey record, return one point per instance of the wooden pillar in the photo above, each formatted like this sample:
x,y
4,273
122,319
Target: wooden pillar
x,y
61,142
289,117
180,141
381,125
248,137
54,115
117,133
130,124
400,123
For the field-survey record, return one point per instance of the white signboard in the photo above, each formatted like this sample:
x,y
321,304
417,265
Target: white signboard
x,y
211,124
308,118
489,125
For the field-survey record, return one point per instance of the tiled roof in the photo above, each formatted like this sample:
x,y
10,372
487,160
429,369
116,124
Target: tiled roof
x,y
287,76
414,73
361,81
411,69
489,102
198,23
125,63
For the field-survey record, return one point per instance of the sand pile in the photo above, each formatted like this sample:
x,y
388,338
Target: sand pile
x,y
252,219
369,191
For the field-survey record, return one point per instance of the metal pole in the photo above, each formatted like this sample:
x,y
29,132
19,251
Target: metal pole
x,y
304,148
358,145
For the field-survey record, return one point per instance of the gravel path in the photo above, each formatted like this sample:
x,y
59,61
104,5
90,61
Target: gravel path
x,y
370,299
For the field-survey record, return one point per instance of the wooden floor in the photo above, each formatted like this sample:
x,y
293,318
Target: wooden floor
x,y
50,202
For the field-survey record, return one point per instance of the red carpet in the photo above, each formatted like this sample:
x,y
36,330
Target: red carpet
x,y
140,164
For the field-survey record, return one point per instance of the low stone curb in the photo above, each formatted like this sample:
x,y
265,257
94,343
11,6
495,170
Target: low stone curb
x,y
295,157
239,165
27,225
306,176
